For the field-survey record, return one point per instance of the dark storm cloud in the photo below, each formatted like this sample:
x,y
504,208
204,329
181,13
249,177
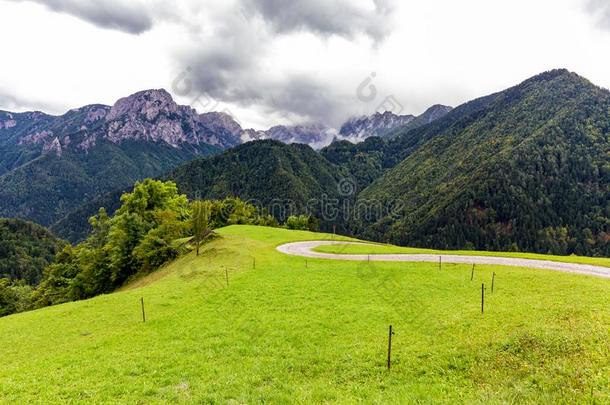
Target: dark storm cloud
x,y
232,65
128,16
228,60
221,75
324,17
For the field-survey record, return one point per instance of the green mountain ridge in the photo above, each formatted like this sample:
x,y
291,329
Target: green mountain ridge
x,y
49,187
283,179
527,168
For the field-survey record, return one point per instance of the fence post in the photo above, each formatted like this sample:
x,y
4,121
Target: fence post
x,y
143,313
390,347
483,298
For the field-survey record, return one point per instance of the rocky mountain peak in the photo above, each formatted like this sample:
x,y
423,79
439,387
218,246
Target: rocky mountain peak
x,y
221,121
316,135
357,129
147,103
152,115
146,116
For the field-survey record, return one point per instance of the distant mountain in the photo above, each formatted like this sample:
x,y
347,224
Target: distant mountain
x,y
357,129
49,165
386,124
354,130
225,127
25,250
525,169
369,158
314,135
153,115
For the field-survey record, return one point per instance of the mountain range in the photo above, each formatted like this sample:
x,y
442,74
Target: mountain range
x,y
385,124
523,169
355,129
51,165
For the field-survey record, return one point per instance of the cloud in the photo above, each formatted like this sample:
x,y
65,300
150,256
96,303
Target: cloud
x,y
294,61
127,16
9,102
600,9
240,79
232,61
341,17
240,53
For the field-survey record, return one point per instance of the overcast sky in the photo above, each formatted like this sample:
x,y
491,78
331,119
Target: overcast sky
x,y
271,62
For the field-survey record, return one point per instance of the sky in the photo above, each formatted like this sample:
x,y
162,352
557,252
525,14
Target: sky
x,y
271,62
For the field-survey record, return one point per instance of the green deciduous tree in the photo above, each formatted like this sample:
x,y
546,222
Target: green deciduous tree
x,y
138,239
200,221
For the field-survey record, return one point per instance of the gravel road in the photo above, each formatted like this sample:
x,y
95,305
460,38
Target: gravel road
x,y
304,249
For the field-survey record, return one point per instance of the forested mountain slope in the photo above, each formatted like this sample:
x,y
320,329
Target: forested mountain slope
x,y
281,178
527,168
25,250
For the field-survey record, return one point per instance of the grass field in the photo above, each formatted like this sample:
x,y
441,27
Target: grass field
x,y
286,330
390,249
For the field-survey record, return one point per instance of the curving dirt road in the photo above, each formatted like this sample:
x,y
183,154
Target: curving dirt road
x,y
304,249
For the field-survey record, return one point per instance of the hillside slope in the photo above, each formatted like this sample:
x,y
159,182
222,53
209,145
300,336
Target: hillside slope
x,y
25,250
283,330
527,168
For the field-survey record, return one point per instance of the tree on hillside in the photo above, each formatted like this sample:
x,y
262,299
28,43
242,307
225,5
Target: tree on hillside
x,y
8,301
158,246
56,286
301,222
200,221
139,238
152,204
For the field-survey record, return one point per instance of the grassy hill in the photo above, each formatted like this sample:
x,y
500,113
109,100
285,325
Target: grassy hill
x,y
287,330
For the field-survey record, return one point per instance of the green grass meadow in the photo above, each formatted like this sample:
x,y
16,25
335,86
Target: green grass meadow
x,y
290,330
